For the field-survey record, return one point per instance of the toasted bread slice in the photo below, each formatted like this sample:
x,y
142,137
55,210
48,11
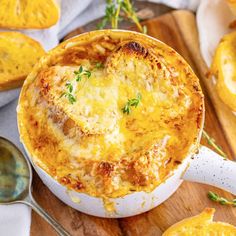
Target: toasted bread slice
x,y
201,225
28,14
232,6
18,54
132,55
224,69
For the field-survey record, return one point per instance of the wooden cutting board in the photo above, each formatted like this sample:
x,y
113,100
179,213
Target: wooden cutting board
x,y
177,29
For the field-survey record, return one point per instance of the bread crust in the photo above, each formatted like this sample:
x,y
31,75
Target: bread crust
x,y
18,54
28,14
201,225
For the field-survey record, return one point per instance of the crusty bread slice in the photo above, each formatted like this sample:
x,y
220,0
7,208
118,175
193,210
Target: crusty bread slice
x,y
133,58
232,5
18,54
224,69
201,225
28,14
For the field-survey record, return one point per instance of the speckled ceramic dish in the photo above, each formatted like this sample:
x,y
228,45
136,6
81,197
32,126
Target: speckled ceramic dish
x,y
167,132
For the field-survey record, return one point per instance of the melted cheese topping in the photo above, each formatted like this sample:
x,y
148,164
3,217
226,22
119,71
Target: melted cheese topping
x,y
91,146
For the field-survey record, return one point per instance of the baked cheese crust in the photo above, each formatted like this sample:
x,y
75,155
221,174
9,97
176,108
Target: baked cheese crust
x,y
91,145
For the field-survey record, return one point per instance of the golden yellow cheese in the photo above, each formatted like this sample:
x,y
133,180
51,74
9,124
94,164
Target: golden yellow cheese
x,y
74,118
224,68
18,54
28,14
201,225
232,5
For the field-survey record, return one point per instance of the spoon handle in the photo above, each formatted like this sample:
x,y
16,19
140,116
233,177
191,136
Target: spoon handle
x,y
37,208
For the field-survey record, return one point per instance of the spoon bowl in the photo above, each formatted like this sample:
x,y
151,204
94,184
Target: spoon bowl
x,y
16,179
15,172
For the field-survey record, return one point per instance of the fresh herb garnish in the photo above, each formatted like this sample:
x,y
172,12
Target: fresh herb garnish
x,y
81,72
212,142
99,65
71,98
114,9
145,29
132,103
78,77
128,8
110,15
69,94
69,86
213,196
223,201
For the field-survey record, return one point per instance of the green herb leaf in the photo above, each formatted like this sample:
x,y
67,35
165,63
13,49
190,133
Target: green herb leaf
x,y
81,69
213,196
223,201
112,14
78,77
99,65
129,10
68,94
71,98
212,142
144,29
87,73
102,24
82,72
69,87
132,103
126,109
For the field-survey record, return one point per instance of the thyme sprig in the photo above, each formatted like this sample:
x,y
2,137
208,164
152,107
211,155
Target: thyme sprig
x,y
223,201
128,8
212,142
81,72
134,102
110,15
114,9
69,94
69,86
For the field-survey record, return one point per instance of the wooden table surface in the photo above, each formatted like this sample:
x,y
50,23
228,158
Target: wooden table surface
x,y
177,29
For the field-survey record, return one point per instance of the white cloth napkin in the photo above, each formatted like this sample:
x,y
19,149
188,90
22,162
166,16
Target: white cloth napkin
x,y
15,220
213,17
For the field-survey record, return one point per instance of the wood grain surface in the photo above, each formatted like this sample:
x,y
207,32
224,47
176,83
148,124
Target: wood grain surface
x,y
177,29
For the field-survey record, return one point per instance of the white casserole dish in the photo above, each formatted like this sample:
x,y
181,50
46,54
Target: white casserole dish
x,y
205,167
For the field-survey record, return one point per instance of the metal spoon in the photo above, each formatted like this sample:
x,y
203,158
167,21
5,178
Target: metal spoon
x,y
15,182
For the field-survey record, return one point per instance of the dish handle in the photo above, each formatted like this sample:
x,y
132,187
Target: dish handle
x,y
208,167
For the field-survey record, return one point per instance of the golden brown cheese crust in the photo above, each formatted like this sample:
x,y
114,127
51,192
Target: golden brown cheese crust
x,y
91,146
